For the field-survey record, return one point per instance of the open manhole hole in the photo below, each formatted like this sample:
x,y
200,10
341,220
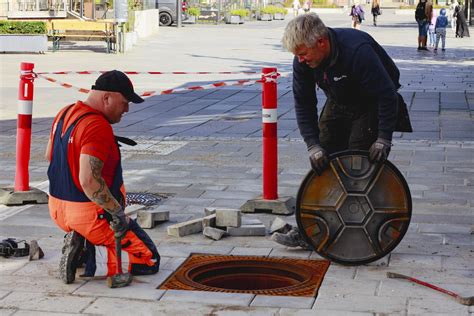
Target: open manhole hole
x,y
248,274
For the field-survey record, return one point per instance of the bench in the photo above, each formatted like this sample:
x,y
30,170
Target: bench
x,y
59,29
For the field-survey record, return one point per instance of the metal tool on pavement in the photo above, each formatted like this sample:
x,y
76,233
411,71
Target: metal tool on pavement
x,y
119,279
469,301
356,211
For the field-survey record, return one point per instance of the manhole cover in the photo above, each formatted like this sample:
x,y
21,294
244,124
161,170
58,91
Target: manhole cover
x,y
248,274
355,212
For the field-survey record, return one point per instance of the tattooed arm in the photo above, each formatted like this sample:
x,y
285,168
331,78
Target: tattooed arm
x,y
94,186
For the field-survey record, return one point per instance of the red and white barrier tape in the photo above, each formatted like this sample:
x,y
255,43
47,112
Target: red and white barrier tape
x,y
271,77
87,72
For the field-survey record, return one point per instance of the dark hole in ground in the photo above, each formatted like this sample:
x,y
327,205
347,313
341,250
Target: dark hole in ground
x,y
248,274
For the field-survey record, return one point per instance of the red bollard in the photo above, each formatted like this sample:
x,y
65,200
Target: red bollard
x,y
269,131
23,134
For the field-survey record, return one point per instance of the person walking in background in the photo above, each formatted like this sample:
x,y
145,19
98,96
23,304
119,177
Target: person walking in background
x,y
452,12
423,13
357,15
296,7
431,30
440,27
307,6
461,25
376,10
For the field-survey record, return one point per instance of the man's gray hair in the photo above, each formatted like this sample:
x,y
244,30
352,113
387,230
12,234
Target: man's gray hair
x,y
305,30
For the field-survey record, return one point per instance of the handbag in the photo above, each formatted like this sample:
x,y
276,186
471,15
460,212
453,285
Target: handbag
x,y
361,16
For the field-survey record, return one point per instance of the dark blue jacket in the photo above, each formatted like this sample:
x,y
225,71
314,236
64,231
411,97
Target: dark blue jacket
x,y
359,73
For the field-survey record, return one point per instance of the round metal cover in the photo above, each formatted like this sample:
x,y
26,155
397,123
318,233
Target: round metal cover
x,y
355,212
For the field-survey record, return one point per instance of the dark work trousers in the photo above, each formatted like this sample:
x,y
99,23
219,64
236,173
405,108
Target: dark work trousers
x,y
343,127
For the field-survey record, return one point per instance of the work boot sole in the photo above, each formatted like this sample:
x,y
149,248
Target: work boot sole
x,y
69,260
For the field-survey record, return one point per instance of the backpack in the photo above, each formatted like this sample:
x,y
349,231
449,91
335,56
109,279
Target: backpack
x,y
420,11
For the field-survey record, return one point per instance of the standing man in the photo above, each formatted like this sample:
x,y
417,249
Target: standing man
x,y
360,82
85,176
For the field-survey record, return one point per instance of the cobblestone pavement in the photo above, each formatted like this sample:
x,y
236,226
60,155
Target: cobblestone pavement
x,y
203,149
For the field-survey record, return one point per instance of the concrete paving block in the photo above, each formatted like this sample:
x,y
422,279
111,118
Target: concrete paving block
x,y
149,218
186,228
142,288
134,208
209,221
121,306
213,233
427,306
279,225
228,217
283,301
282,205
46,302
322,312
362,303
44,284
250,251
247,230
209,210
246,220
208,297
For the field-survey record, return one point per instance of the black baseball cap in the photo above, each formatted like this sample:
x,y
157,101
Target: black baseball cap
x,y
117,81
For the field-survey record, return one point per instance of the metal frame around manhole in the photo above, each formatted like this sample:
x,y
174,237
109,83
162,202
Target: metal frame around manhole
x,y
306,274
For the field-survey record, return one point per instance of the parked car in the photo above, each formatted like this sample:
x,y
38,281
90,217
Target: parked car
x,y
167,10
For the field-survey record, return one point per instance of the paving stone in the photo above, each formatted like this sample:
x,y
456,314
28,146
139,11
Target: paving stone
x,y
320,312
47,302
247,230
209,221
420,261
142,287
428,306
247,220
341,287
444,228
279,225
250,251
121,306
228,217
32,283
454,262
290,253
134,208
185,228
283,301
172,263
209,210
149,218
213,233
208,297
362,303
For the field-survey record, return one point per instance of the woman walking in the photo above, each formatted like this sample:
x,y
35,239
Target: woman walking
x,y
376,10
357,14
461,25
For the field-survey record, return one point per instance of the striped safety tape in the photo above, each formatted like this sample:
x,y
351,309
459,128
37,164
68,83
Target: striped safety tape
x,y
169,91
87,72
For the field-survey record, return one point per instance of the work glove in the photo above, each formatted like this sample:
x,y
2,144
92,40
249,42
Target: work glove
x,y
318,158
119,224
379,150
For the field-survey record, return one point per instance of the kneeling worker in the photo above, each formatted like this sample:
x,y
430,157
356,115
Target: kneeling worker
x,y
86,186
